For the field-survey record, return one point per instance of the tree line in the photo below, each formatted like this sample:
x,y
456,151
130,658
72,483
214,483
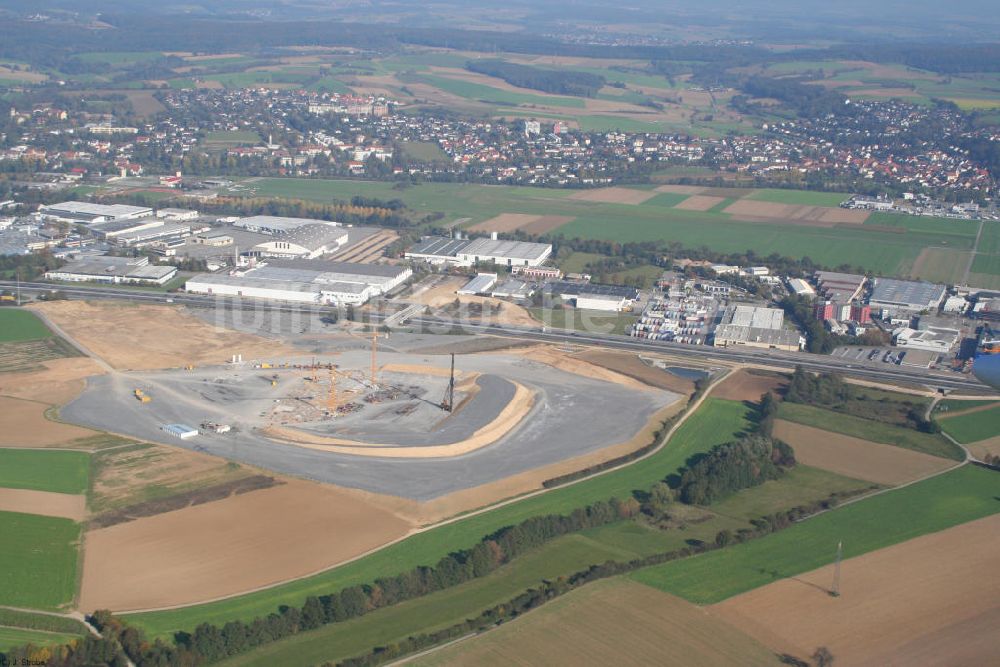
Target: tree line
x,y
830,391
565,82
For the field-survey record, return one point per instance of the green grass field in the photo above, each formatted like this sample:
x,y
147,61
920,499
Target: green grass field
x,y
943,408
341,640
717,421
799,486
425,151
593,321
122,58
956,497
866,429
490,95
974,426
45,622
21,325
41,470
14,637
236,137
799,197
39,560
889,244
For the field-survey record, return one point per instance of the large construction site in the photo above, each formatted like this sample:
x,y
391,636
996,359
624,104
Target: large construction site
x,y
403,423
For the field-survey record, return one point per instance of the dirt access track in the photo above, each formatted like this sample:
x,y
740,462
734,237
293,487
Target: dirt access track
x,y
142,337
934,600
230,546
853,457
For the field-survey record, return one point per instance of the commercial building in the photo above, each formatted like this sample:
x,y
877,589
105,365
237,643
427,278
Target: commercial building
x,y
932,340
89,213
842,287
508,253
753,326
464,252
801,288
177,214
570,291
536,272
293,237
905,296
512,289
481,284
305,281
105,269
609,302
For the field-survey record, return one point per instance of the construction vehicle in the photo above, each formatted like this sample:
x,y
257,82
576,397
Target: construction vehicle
x,y
142,396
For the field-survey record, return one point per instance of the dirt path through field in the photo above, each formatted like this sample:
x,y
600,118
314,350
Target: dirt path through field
x,y
230,546
853,457
927,601
46,503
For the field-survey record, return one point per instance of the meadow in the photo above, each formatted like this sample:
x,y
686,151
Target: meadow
x,y
947,500
715,422
886,244
14,637
41,470
973,426
867,429
21,325
39,561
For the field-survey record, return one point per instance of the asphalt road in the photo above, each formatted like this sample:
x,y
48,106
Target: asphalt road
x,y
819,363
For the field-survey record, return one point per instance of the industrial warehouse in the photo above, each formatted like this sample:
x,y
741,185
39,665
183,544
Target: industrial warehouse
x,y
438,250
305,281
88,213
107,269
756,327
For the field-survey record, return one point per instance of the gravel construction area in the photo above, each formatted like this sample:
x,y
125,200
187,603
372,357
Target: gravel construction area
x,y
569,418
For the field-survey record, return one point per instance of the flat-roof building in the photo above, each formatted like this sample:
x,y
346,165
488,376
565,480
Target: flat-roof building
x,y
293,237
305,281
755,327
106,269
464,252
481,284
843,287
905,296
89,213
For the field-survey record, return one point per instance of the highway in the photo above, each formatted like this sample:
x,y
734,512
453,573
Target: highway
x,y
820,363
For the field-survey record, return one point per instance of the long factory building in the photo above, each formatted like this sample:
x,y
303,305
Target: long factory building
x,y
439,250
305,281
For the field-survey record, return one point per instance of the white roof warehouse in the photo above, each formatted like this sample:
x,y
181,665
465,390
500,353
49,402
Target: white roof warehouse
x,y
294,237
441,250
89,213
305,281
107,269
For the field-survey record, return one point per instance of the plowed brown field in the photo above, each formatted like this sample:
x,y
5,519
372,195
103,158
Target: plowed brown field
x,y
230,546
934,600
853,457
